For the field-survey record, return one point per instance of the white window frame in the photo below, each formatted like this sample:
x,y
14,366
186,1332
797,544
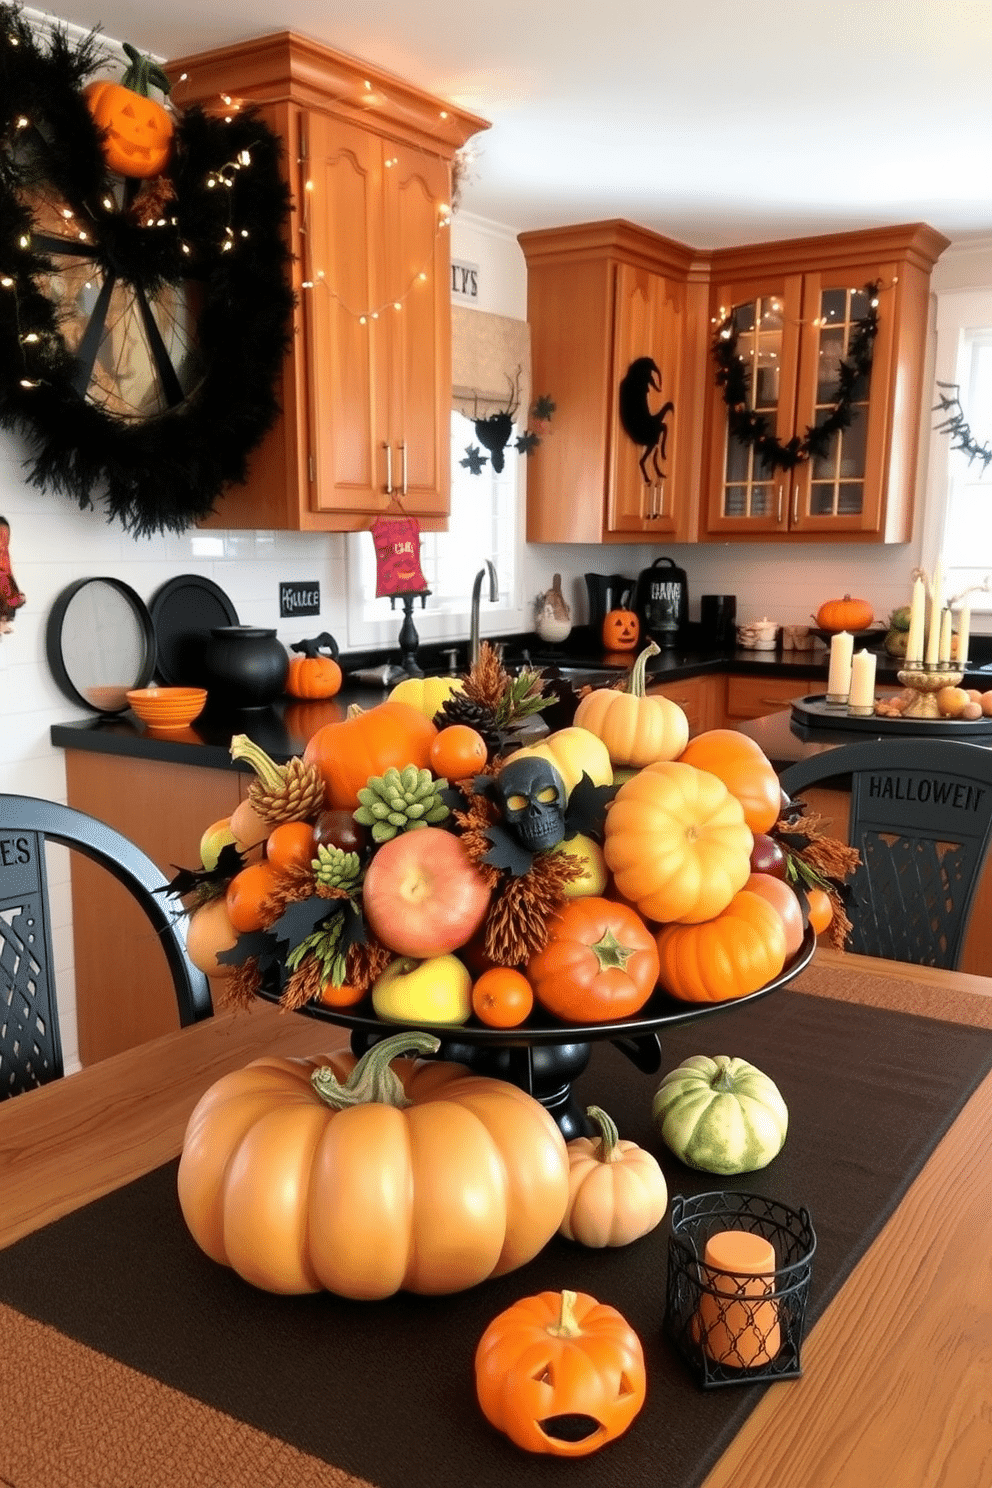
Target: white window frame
x,y
487,521
960,315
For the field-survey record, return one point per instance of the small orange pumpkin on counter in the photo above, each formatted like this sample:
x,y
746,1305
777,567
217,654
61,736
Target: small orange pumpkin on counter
x,y
845,614
137,132
312,674
621,630
560,1373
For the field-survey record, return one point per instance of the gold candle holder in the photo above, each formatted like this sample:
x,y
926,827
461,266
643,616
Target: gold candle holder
x,y
926,679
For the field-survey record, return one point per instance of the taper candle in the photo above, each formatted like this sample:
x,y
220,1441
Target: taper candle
x,y
839,675
862,693
917,620
964,634
936,608
944,652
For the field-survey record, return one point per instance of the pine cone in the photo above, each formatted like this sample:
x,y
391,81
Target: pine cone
x,y
290,792
460,709
300,796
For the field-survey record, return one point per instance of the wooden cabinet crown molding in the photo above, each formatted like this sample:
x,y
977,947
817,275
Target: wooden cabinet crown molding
x,y
286,66
613,239
914,243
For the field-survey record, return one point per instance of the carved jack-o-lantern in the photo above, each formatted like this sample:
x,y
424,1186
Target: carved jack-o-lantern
x,y
137,131
138,135
621,630
560,1373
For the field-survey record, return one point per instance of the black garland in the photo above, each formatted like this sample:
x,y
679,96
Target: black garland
x,y
755,429
959,429
163,473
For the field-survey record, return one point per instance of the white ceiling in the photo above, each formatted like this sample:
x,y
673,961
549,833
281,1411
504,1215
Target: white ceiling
x,y
712,121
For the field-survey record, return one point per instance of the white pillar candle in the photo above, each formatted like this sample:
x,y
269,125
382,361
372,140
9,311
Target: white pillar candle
x,y
964,634
862,680
944,653
936,608
839,676
917,620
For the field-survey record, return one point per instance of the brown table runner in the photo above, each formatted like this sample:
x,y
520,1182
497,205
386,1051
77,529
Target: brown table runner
x,y
383,1392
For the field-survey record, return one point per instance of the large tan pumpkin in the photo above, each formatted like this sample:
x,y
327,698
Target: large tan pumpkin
x,y
636,728
426,1178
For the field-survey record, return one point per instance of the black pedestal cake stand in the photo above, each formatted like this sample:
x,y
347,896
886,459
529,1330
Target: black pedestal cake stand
x,y
544,1056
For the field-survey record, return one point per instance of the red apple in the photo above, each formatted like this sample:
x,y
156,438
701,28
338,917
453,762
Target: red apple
x,y
423,896
767,856
784,901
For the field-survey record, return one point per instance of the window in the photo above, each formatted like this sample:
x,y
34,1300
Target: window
x,y
485,523
959,510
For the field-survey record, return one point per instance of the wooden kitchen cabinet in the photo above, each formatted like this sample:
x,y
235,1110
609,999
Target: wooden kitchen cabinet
x,y
366,386
124,989
700,699
600,297
753,697
795,306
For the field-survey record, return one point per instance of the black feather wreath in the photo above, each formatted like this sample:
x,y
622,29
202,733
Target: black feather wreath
x,y
756,430
165,472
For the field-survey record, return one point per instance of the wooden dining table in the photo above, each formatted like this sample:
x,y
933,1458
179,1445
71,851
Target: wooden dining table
x,y
896,1383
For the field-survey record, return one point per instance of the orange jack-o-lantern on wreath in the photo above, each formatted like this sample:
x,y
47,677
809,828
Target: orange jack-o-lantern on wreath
x,y
137,131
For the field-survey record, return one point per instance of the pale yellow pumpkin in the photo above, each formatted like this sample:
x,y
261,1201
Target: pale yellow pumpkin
x,y
573,752
427,694
636,728
617,1192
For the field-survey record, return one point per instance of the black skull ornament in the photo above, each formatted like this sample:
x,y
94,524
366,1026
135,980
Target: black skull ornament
x,y
531,796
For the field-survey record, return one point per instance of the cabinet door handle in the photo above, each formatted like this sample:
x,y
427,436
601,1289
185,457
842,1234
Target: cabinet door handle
x,y
778,514
403,464
772,702
661,497
795,504
389,469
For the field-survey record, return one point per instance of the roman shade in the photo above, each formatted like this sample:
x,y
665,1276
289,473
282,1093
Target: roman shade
x,y
490,364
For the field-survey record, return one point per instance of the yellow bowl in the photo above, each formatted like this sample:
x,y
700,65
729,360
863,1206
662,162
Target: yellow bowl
x,y
167,707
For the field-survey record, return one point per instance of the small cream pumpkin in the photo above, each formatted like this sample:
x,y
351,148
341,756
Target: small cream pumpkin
x,y
616,1190
636,728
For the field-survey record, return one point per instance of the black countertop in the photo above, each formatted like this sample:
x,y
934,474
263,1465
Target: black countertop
x,y
283,729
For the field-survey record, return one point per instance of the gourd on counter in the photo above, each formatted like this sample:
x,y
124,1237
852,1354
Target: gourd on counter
x,y
721,1115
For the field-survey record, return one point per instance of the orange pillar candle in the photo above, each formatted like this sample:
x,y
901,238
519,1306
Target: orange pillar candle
x,y
741,1331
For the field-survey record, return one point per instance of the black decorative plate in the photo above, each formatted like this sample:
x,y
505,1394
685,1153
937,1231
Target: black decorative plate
x,y
860,637
184,611
100,642
815,712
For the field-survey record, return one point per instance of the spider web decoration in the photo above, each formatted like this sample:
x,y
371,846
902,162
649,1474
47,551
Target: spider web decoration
x,y
755,429
142,324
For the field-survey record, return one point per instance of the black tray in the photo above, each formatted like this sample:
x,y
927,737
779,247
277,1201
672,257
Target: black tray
x,y
815,712
543,1056
184,611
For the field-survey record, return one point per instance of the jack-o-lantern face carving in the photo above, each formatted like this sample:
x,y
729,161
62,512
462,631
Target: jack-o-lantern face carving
x,y
138,131
560,1373
621,630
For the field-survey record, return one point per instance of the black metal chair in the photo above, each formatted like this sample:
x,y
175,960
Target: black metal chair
x,y
30,1043
921,818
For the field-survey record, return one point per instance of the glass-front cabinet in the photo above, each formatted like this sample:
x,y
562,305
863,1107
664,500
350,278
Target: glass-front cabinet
x,y
815,400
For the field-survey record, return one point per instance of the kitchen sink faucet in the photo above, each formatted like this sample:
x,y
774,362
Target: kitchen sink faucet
x,y
473,632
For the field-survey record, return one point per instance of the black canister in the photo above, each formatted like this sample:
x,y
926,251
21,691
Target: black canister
x,y
718,620
244,666
661,601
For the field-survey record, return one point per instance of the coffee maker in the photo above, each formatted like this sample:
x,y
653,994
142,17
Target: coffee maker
x,y
661,602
